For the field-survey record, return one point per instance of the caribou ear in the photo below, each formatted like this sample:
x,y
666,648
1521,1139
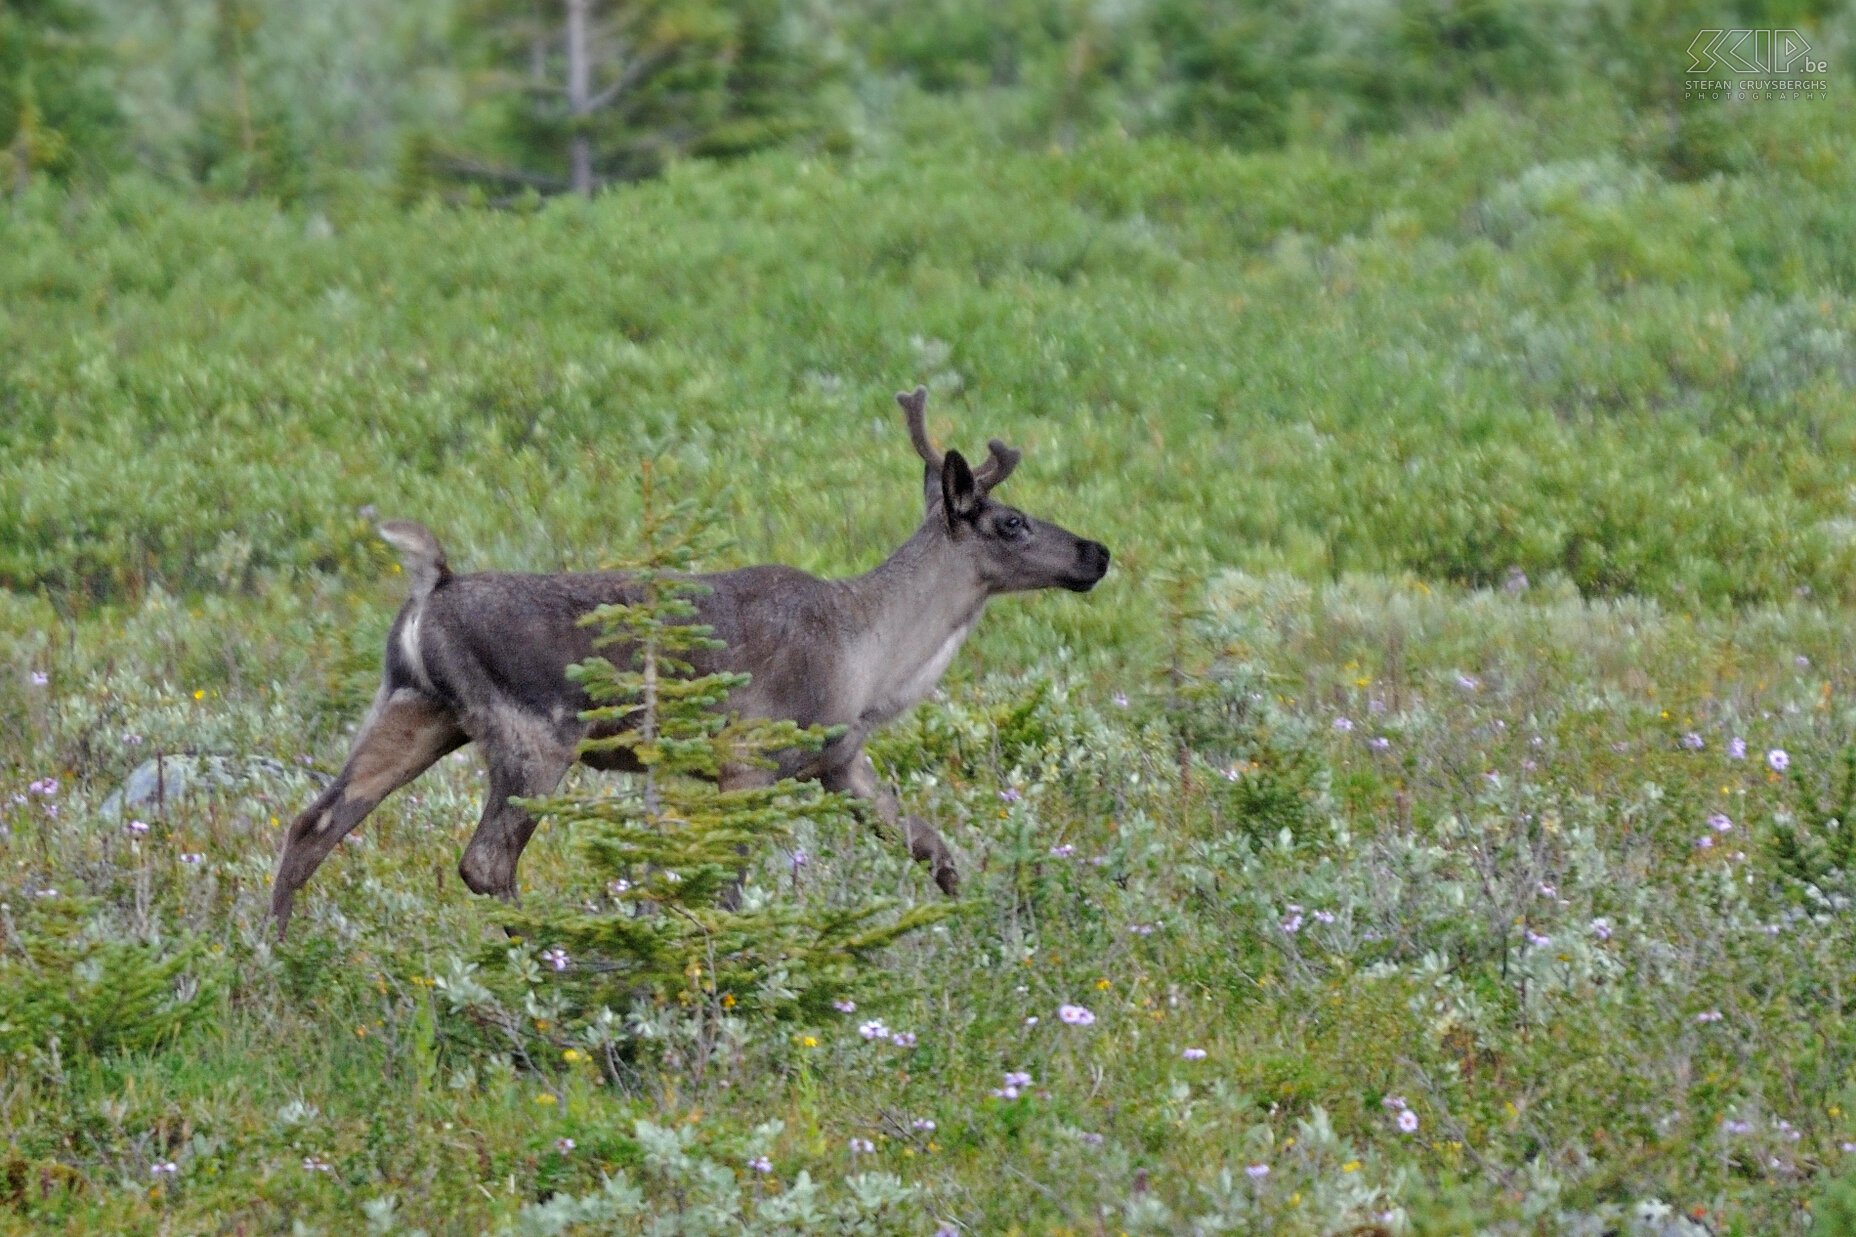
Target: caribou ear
x,y
959,494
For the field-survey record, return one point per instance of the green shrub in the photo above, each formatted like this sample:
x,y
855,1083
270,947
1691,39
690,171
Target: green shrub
x,y
69,988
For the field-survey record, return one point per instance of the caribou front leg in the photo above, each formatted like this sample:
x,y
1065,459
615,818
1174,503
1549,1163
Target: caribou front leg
x,y
858,778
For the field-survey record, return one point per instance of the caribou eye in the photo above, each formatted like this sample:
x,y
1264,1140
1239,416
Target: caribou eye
x,y
1012,526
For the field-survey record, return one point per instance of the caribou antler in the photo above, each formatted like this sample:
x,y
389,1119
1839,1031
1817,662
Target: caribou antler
x,y
915,405
986,476
998,468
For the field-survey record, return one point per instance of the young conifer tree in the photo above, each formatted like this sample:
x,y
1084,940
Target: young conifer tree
x,y
670,847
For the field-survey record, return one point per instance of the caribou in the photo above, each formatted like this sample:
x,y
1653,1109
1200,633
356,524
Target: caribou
x,y
482,658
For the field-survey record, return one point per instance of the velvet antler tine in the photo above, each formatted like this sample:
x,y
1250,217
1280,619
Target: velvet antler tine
x,y
998,468
915,405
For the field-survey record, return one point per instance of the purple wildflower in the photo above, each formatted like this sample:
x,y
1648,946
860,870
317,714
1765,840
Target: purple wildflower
x,y
862,1144
873,1029
1693,742
1719,822
40,678
1343,725
1193,1054
1601,928
138,827
192,857
1062,852
556,958
1736,748
1076,1015
925,1124
1708,1015
164,1169
1010,795
761,1164
1408,1121
564,1145
1779,759
1012,1085
1257,1172
903,1039
845,1006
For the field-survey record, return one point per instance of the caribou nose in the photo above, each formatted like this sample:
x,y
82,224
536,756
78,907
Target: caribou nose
x,y
1091,566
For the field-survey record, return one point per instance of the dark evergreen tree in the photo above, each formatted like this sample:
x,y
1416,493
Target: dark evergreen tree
x,y
56,111
668,850
594,91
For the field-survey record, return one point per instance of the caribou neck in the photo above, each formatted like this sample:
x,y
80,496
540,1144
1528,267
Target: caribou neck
x,y
912,612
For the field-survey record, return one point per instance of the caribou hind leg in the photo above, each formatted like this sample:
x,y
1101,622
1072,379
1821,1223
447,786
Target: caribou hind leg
x,y
405,733
527,758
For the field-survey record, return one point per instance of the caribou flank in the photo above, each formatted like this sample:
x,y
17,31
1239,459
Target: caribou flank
x,y
483,658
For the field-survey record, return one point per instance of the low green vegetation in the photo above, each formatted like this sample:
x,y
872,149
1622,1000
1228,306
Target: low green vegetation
x,y
1436,822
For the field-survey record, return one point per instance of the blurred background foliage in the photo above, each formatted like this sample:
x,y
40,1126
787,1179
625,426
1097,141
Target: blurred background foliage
x,y
286,100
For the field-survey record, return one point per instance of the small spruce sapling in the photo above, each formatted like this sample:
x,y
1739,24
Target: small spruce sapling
x,y
674,929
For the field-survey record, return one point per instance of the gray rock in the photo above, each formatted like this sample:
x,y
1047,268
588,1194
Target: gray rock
x,y
167,778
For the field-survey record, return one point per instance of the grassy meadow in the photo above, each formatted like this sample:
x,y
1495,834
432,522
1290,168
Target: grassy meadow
x,y
1441,811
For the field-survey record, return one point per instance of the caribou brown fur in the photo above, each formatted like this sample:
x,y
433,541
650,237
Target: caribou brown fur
x,y
483,658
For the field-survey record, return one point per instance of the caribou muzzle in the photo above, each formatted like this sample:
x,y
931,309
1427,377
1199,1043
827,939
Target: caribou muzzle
x,y
1091,566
